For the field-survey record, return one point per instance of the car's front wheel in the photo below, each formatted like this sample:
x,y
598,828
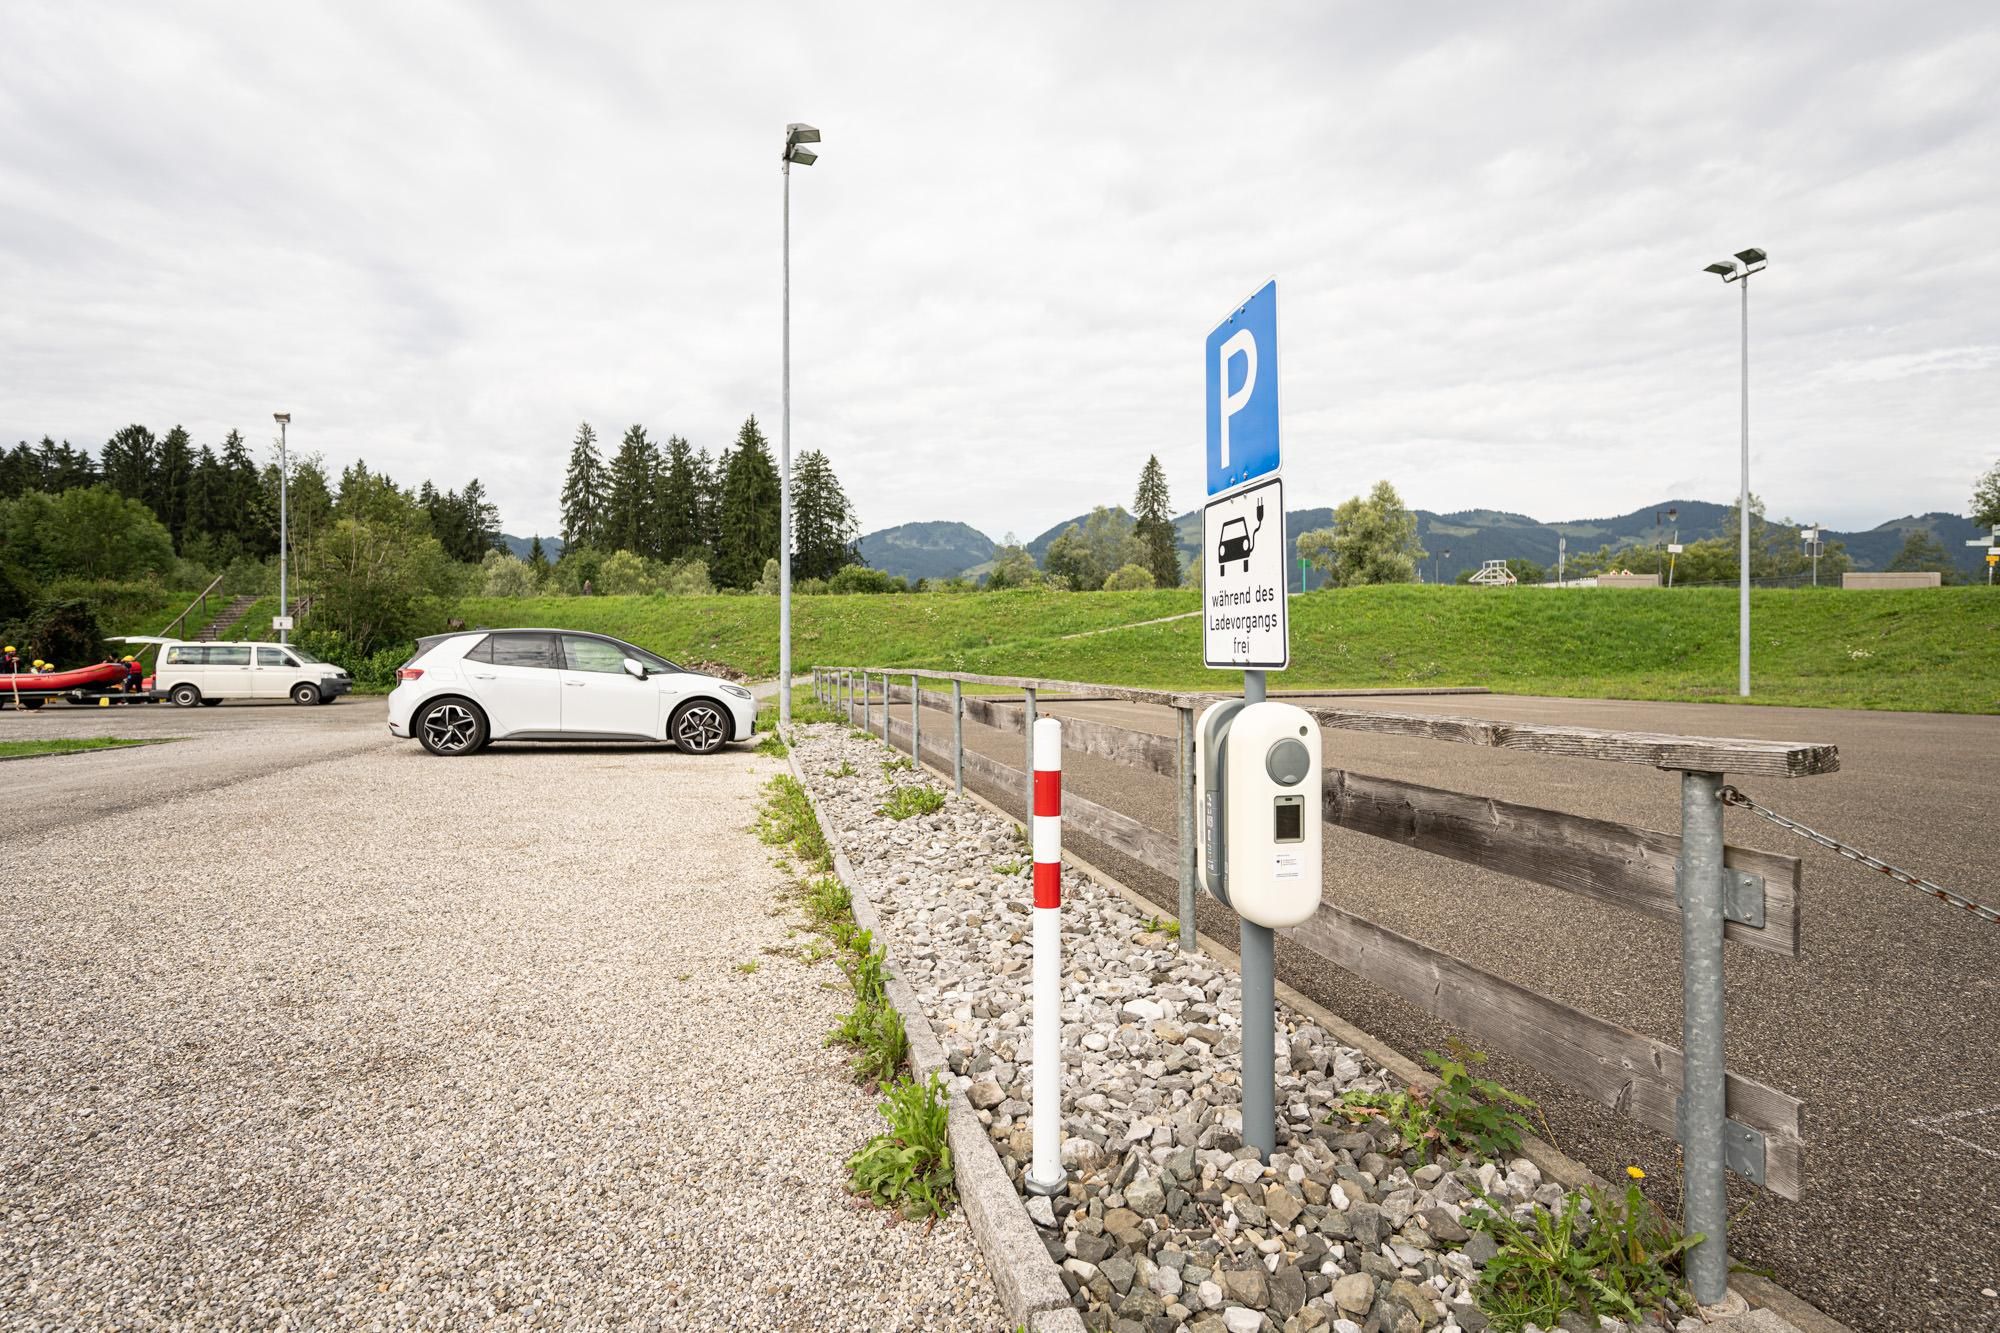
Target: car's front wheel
x,y
699,727
186,696
451,727
305,692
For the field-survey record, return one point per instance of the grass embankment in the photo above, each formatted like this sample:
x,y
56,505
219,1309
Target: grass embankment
x,y
932,628
1933,650
66,745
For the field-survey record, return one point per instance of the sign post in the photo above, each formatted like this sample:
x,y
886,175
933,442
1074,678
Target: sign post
x,y
1992,545
1245,625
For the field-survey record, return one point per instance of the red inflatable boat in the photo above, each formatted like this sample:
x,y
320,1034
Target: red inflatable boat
x,y
58,682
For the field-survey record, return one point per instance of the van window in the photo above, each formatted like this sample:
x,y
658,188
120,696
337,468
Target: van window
x,y
236,654
187,655
274,657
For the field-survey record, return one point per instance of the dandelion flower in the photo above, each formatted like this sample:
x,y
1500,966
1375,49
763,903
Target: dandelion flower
x,y
1635,1173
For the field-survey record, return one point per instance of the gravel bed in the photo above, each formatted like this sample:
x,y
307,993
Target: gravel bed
x,y
1169,1223
397,1041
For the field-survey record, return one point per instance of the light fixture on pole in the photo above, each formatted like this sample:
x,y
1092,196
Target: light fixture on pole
x,y
1739,270
1437,566
796,137
284,420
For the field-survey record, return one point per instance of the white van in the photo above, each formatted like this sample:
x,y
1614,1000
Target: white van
x,y
207,673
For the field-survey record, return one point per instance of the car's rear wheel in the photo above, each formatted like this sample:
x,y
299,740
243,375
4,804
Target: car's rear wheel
x,y
305,692
187,696
699,727
451,727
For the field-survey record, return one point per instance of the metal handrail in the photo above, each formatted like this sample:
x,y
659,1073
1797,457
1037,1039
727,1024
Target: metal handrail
x,y
200,600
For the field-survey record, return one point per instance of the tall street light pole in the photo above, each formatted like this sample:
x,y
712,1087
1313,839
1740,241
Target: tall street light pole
x,y
284,419
796,137
1739,270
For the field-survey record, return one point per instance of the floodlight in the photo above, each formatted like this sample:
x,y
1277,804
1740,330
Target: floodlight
x,y
798,133
805,157
281,418
1751,256
1725,269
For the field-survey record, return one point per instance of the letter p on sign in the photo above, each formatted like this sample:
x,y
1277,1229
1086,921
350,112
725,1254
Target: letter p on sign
x,y
1242,375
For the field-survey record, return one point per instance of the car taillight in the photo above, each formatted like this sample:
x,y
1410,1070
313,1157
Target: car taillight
x,y
408,673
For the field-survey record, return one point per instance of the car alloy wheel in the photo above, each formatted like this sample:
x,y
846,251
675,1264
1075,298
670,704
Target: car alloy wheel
x,y
450,728
700,728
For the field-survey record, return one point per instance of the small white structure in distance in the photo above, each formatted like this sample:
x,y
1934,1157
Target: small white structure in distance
x,y
1494,574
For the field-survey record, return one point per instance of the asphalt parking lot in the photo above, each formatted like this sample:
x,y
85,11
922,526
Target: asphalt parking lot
x,y
1884,1026
300,1026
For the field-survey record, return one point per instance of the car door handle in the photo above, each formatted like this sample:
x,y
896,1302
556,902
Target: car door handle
x,y
484,675
576,684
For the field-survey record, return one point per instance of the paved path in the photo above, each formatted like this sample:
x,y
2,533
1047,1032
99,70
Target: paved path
x,y
378,1039
1885,1027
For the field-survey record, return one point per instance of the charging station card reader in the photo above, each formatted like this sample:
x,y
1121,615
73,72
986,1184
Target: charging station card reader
x,y
1258,782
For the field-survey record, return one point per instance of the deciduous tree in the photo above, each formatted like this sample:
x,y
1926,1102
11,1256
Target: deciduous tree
x,y
1375,540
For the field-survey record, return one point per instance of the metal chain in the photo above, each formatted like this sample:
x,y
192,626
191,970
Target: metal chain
x,y
1731,796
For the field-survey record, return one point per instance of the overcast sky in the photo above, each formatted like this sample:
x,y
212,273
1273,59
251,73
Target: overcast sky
x,y
441,235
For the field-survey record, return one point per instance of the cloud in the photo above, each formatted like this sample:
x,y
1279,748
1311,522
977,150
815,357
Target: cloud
x,y
442,235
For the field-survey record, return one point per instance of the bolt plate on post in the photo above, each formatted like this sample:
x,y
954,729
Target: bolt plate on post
x,y
1742,1146
1742,896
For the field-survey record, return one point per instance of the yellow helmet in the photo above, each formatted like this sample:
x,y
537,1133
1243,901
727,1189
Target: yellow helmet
x,y
8,649
127,657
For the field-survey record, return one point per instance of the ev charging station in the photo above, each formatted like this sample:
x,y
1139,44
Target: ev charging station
x,y
1257,761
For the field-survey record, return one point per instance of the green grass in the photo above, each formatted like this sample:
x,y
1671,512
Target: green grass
x,y
1930,651
67,745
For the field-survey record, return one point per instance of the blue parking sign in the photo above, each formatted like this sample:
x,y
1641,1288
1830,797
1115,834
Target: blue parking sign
x,y
1243,393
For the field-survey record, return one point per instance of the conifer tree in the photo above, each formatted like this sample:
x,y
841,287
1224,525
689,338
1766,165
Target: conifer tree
x,y
173,475
628,508
1155,527
583,493
824,526
677,503
749,510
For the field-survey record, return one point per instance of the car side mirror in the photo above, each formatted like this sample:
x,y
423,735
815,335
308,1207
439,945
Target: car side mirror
x,y
635,668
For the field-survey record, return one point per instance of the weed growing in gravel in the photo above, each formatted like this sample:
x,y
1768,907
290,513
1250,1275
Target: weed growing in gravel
x,y
1597,1254
906,801
897,765
846,770
747,968
1159,925
859,735
880,1040
908,1168
827,901
1463,1114
772,744
1011,866
787,820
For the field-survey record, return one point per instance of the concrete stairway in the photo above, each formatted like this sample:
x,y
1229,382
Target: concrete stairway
x,y
238,607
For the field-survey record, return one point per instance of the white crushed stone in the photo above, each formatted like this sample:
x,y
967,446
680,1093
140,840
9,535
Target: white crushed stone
x,y
393,1040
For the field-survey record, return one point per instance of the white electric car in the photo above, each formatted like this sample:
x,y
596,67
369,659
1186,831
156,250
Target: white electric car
x,y
462,690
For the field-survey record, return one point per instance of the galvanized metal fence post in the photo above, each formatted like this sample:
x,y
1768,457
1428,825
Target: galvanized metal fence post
x,y
1703,1112
1184,782
1028,726
958,737
916,702
864,701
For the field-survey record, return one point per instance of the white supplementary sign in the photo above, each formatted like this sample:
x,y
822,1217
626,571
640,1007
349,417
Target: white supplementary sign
x,y
1674,548
1244,624
281,622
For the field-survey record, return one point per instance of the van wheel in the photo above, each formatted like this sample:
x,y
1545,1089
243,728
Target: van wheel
x,y
187,696
305,693
451,727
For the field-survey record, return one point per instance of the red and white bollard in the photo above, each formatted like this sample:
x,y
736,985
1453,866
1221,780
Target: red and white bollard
x,y
1045,1173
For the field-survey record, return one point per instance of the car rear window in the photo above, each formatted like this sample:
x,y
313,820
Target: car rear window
x,y
522,650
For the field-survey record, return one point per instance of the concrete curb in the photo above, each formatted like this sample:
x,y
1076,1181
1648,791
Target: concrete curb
x,y
1027,1280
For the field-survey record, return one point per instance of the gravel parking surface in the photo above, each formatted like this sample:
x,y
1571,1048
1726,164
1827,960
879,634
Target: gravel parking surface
x,y
390,1040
